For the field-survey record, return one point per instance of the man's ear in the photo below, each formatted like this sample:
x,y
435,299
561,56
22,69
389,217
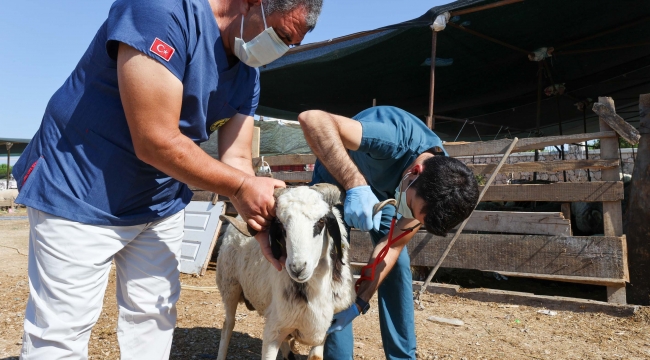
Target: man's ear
x,y
417,169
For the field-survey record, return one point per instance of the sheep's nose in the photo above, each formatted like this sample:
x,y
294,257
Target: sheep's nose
x,y
298,267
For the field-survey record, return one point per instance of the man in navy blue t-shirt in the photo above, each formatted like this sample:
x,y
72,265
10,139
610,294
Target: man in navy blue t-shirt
x,y
384,153
104,178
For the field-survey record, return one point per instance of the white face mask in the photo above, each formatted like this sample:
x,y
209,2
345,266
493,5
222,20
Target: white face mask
x,y
263,49
402,207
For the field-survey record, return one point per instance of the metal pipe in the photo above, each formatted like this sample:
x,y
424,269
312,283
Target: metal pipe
x,y
484,7
559,114
434,40
584,122
441,117
9,145
489,38
539,110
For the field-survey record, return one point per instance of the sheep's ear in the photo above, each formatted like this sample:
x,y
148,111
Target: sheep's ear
x,y
279,191
331,194
334,231
276,237
240,225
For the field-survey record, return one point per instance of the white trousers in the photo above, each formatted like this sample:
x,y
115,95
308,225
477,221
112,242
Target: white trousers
x,y
69,264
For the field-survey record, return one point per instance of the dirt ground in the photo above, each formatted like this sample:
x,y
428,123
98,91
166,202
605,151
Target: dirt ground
x,y
491,330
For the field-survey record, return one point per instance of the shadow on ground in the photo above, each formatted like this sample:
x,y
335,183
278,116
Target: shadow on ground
x,y
203,343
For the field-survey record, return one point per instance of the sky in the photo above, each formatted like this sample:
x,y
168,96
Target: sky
x,y
42,41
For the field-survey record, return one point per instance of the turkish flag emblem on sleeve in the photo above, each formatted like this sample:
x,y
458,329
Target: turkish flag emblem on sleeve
x,y
162,49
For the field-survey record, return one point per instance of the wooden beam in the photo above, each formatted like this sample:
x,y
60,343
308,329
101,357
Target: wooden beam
x,y
617,123
293,176
202,195
563,192
292,159
612,214
546,166
500,146
637,226
592,257
549,302
541,223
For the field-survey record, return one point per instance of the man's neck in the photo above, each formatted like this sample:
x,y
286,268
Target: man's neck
x,y
226,15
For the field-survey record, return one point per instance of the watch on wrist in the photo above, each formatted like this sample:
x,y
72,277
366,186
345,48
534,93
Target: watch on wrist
x,y
364,306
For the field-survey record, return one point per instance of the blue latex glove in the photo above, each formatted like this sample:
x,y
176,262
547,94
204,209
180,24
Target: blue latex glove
x,y
358,208
343,318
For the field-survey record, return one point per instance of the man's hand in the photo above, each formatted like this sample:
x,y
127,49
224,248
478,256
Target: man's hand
x,y
254,201
359,202
342,319
262,238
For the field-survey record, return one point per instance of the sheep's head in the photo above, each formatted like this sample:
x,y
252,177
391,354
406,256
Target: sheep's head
x,y
305,216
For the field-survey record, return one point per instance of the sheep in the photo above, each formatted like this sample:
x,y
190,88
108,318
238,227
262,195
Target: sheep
x,y
316,282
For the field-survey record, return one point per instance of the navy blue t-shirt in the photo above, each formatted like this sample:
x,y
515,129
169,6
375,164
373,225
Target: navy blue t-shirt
x,y
392,139
81,164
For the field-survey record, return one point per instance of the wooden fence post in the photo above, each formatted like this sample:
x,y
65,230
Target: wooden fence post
x,y
612,214
637,224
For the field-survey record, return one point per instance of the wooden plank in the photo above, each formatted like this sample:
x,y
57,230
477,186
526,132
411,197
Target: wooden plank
x,y
202,195
549,302
545,166
559,303
291,159
500,146
612,214
588,257
255,146
214,240
293,176
542,223
563,192
617,123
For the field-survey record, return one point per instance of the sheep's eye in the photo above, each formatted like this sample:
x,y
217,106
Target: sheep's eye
x,y
318,227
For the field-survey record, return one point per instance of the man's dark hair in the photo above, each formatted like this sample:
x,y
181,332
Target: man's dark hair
x,y
450,192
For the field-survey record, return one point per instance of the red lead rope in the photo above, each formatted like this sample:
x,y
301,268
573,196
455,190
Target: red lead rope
x,y
382,254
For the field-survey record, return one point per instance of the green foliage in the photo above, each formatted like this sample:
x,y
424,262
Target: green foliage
x,y
622,143
480,179
3,171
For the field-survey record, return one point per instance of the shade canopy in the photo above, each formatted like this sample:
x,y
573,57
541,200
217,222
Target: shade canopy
x,y
17,147
601,48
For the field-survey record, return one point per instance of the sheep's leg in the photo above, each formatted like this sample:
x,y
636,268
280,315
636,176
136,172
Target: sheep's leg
x,y
316,353
287,353
271,340
230,299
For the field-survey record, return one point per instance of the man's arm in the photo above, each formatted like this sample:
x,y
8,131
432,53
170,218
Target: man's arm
x,y
329,136
235,142
368,288
152,98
